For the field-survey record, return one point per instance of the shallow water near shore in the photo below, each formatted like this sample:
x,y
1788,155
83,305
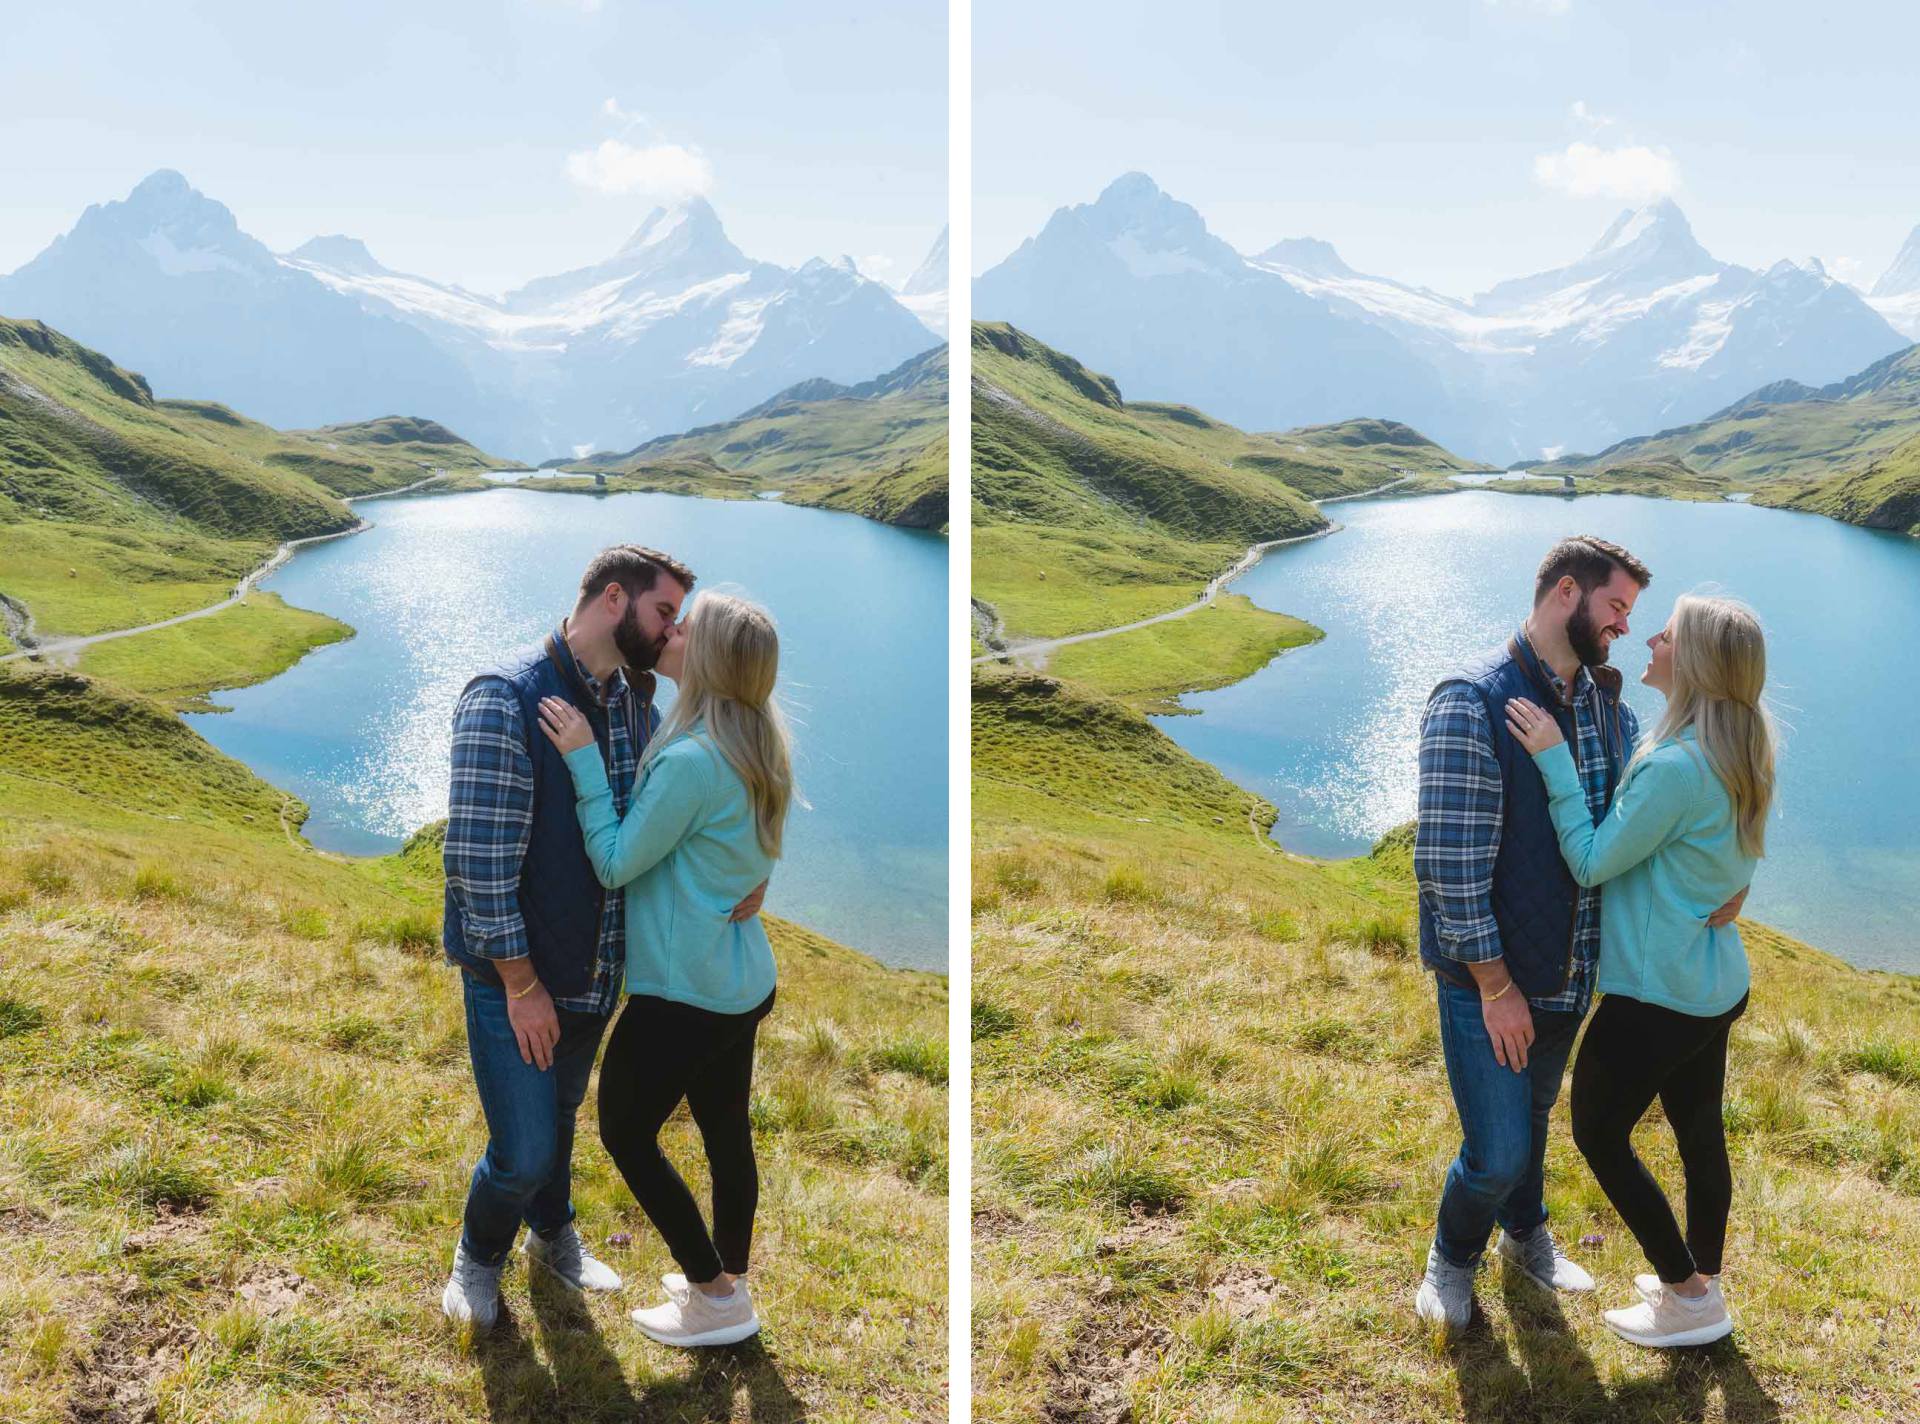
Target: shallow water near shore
x,y
1411,588
442,587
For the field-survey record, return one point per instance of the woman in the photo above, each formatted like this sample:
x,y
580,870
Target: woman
x,y
1683,834
702,831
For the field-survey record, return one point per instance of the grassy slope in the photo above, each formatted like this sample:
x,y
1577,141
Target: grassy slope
x,y
117,509
1091,510
237,1121
1884,495
878,450
1211,1121
1847,451
1215,647
1210,1116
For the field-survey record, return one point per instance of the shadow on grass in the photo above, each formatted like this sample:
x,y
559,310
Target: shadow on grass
x,y
1555,1377
585,1380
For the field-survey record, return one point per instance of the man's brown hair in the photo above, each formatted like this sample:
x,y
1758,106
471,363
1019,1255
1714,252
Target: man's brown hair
x,y
1591,561
634,567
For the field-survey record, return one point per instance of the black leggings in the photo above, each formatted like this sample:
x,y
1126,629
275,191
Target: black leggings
x,y
659,1053
1633,1053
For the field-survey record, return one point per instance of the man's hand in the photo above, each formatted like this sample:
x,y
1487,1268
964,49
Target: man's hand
x,y
536,1023
750,906
1730,911
1510,1026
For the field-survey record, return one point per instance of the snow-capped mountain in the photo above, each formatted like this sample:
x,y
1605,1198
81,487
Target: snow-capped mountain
x,y
166,283
676,328
1896,296
1136,286
1646,330
925,292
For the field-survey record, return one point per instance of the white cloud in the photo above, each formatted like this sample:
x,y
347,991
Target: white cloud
x,y
1538,7
660,170
1850,270
1585,170
1585,114
877,267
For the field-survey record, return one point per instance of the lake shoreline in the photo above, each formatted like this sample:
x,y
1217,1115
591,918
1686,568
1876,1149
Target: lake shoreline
x,y
435,490
1288,824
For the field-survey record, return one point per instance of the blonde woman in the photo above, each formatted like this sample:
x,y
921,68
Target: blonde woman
x,y
1683,835
703,829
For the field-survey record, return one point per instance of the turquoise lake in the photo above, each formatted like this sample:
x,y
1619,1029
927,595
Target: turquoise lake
x,y
1410,588
441,587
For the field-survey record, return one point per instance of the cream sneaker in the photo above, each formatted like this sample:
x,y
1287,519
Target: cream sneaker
x,y
1669,1321
692,1318
1648,1284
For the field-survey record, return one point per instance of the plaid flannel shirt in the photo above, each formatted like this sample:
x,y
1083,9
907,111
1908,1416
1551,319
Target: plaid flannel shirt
x,y
1461,806
490,820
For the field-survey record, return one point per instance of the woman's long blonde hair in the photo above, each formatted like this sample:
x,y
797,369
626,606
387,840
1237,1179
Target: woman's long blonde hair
x,y
1719,672
726,681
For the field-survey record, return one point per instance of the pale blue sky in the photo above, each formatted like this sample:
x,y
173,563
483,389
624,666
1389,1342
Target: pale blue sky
x,y
1408,134
439,133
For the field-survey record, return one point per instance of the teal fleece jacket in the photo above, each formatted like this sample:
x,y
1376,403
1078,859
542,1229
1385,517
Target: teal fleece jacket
x,y
686,854
1669,855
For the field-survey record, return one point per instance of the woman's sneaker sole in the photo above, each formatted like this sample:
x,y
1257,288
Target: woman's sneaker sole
x,y
1679,1340
728,1335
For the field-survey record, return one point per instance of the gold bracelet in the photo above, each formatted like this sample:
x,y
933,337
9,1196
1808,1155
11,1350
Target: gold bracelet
x,y
535,984
1489,998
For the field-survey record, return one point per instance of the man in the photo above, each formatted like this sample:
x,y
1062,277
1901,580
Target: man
x,y
540,942
1510,938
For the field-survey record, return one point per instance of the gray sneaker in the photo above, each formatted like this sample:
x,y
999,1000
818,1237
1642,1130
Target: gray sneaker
x,y
1541,1258
566,1255
473,1291
1445,1296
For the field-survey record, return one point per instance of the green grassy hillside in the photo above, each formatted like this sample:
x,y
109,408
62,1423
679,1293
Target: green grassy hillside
x,y
236,1122
117,509
1787,432
1884,495
878,449
1211,1121
1091,510
1210,1113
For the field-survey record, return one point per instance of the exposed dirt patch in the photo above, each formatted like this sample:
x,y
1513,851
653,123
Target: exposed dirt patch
x,y
1245,1290
129,1357
994,1223
172,1224
273,1289
1143,1228
1090,1386
24,1221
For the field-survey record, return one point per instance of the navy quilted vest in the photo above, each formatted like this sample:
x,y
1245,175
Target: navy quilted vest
x,y
1535,898
560,897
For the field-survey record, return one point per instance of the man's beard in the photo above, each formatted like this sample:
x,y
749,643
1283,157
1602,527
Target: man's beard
x,y
1583,636
637,650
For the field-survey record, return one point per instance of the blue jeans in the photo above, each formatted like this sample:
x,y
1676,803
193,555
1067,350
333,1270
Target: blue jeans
x,y
1500,1174
526,1173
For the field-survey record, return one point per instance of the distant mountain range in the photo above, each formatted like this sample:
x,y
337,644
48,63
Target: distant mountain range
x,y
676,328
1896,296
1643,331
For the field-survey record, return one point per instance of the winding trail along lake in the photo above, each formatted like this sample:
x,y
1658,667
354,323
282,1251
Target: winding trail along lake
x,y
1410,588
442,586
